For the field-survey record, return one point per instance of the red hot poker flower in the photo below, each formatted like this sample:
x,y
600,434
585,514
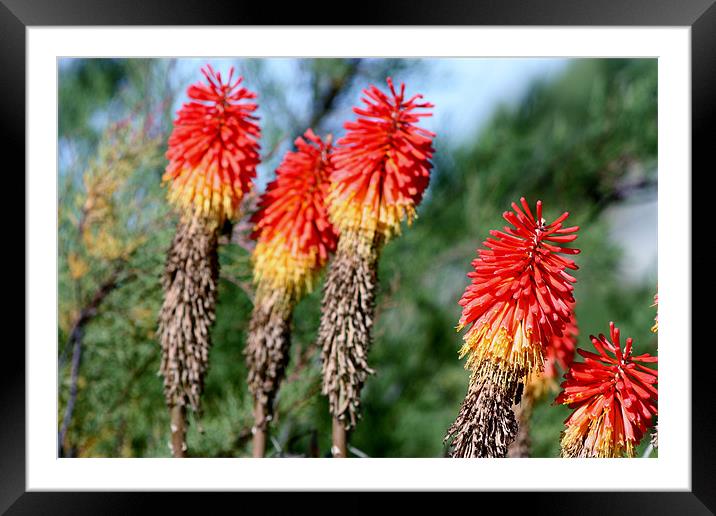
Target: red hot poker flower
x,y
382,164
213,149
520,295
294,238
294,234
614,397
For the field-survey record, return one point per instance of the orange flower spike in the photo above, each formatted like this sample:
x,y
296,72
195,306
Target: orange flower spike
x,y
293,233
520,296
213,149
382,164
382,168
614,396
213,152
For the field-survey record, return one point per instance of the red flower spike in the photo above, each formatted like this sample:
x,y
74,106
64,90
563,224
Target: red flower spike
x,y
382,164
614,397
213,149
292,228
520,296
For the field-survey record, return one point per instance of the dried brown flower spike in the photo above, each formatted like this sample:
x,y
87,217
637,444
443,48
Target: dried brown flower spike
x,y
345,330
485,425
382,169
213,153
519,297
294,239
189,281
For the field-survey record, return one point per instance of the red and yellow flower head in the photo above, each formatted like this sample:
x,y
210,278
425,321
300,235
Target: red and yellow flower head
x,y
213,149
614,397
382,164
520,296
294,235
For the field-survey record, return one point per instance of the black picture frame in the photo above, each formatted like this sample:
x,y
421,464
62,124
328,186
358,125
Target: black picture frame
x,y
700,15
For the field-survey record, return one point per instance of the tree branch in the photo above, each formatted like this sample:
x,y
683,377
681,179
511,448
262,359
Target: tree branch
x,y
75,341
326,102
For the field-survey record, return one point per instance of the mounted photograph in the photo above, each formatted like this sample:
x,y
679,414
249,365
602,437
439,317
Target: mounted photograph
x,y
357,257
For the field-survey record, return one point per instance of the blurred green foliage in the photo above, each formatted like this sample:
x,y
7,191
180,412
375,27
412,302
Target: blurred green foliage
x,y
580,142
